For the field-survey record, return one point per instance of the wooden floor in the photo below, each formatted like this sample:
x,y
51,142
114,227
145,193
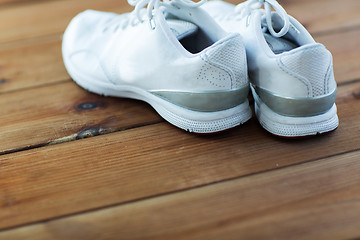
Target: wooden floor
x,y
74,165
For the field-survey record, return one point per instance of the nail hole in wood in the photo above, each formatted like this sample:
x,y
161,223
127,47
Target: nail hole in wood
x,y
3,81
88,106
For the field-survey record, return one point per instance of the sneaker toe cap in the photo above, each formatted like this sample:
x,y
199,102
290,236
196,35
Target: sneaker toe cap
x,y
83,31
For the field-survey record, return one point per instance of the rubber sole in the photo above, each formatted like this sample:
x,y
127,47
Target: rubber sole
x,y
189,120
292,127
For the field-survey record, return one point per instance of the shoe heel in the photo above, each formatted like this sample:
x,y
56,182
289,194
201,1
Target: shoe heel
x,y
288,126
203,122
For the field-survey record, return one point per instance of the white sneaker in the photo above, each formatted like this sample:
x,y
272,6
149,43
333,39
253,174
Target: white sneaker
x,y
172,55
291,75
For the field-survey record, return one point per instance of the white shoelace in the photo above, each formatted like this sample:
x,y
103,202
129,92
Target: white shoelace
x,y
245,9
140,14
156,4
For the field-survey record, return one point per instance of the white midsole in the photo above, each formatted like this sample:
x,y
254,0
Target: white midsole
x,y
177,115
294,126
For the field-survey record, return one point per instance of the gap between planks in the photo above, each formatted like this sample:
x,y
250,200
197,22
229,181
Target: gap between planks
x,y
62,96
340,100
150,161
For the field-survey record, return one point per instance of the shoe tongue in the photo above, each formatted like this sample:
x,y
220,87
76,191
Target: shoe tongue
x,y
279,45
181,28
282,44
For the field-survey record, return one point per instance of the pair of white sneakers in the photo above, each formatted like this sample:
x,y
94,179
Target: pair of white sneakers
x,y
191,62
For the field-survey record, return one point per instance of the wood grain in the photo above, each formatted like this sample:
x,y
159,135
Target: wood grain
x,y
325,16
131,175
64,112
317,200
322,16
4,2
43,18
345,49
31,65
156,159
34,19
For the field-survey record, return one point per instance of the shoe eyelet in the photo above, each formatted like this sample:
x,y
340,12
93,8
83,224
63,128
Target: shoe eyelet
x,y
116,28
248,21
176,6
152,24
134,22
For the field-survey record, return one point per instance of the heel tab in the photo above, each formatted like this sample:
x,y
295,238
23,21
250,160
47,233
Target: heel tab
x,y
231,43
313,50
231,38
309,47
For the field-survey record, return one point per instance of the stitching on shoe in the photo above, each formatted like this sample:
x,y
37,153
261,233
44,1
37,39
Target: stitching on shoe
x,y
293,74
327,77
207,61
202,75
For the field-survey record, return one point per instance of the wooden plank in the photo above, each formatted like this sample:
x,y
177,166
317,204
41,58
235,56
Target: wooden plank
x,y
36,19
346,52
42,18
2,2
115,168
64,112
326,15
31,65
322,15
317,200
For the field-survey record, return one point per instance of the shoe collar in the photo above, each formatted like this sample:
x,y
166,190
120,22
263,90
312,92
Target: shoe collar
x,y
296,33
